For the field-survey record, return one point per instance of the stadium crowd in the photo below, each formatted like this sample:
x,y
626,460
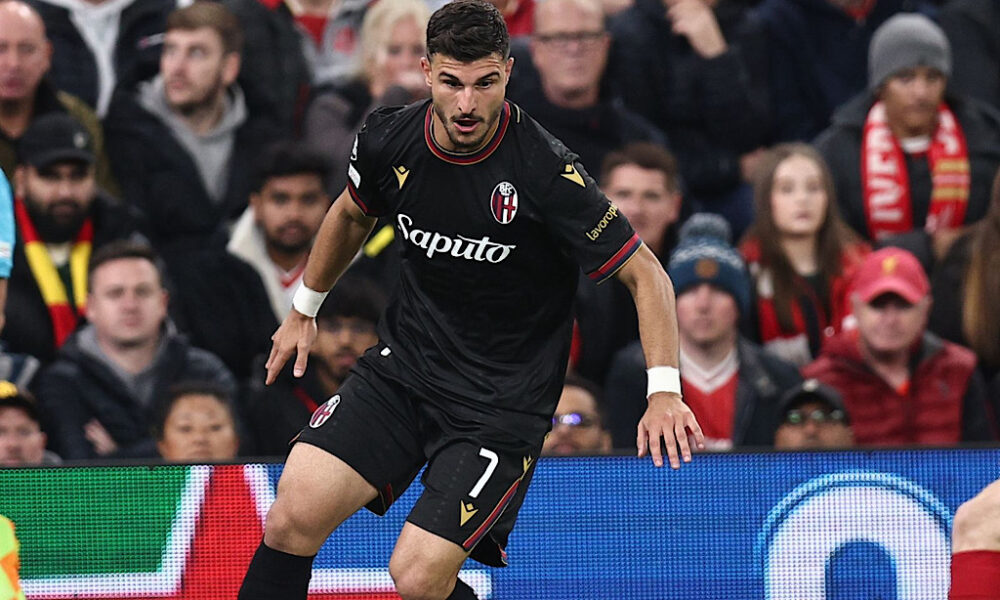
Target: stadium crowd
x,y
818,177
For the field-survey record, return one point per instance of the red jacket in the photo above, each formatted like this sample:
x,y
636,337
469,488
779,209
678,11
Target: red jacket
x,y
946,402
794,344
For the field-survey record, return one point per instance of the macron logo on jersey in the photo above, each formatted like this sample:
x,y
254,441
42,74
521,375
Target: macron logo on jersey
x,y
432,242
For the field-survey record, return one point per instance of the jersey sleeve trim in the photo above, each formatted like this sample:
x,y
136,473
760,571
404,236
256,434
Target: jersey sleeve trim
x,y
357,199
609,268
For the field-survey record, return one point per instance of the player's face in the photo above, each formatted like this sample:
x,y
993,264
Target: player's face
x,y
813,427
58,197
289,211
706,316
340,341
25,53
889,324
21,440
911,98
798,197
646,199
467,98
127,303
198,428
576,428
196,70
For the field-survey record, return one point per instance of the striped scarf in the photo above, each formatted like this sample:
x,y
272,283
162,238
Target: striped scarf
x,y
64,318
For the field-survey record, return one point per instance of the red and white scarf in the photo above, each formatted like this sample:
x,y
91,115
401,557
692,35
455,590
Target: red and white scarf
x,y
886,184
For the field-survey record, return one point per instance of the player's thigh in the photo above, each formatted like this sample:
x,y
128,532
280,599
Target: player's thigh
x,y
469,487
316,493
425,564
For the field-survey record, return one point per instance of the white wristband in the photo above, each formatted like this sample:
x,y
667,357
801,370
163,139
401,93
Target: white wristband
x,y
308,301
663,379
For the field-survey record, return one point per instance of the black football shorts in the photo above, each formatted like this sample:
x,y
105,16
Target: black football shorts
x,y
476,476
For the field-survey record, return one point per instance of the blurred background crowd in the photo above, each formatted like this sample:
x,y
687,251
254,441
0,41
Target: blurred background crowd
x,y
818,177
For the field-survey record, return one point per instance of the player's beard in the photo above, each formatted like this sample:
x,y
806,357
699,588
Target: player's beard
x,y
52,229
467,146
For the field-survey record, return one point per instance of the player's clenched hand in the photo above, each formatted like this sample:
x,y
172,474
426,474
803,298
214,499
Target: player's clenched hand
x,y
667,417
295,335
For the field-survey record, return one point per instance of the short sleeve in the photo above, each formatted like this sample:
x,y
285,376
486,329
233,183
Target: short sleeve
x,y
362,181
599,236
6,228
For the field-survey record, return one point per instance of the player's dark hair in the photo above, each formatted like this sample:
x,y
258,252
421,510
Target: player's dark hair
x,y
578,381
122,249
353,297
191,388
645,155
288,157
467,30
213,15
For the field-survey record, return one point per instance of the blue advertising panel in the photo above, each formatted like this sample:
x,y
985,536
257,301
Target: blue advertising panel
x,y
774,526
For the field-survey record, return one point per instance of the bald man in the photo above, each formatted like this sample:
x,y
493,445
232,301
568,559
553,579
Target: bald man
x,y
25,93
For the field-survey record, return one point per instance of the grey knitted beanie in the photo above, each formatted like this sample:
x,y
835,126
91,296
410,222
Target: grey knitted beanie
x,y
904,41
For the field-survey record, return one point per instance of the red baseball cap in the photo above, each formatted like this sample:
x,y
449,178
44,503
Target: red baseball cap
x,y
891,270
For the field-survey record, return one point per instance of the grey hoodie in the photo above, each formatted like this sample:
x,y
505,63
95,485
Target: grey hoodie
x,y
210,152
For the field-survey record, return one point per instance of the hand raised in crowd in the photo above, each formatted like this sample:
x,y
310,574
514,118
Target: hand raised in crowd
x,y
296,334
667,417
695,20
97,435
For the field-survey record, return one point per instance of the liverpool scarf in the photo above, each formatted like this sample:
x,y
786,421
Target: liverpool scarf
x,y
64,318
886,184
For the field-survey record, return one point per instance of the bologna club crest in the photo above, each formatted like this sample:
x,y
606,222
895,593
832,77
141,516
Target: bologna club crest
x,y
323,413
503,202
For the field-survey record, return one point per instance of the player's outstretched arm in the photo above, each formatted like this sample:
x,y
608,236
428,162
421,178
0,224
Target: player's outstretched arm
x,y
666,416
343,231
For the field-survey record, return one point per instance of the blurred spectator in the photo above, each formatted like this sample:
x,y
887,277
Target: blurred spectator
x,y
345,329
519,15
905,154
274,73
25,93
641,179
569,50
972,27
10,584
695,68
966,285
902,384
100,396
813,417
730,383
197,423
276,232
61,217
801,255
389,73
975,546
577,425
183,145
22,442
817,56
330,34
102,44
7,240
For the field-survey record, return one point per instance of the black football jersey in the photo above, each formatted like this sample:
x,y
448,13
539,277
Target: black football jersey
x,y
491,245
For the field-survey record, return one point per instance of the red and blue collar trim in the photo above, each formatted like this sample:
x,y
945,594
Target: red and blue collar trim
x,y
466,159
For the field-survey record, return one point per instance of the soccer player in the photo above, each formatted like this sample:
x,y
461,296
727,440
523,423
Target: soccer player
x,y
493,217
